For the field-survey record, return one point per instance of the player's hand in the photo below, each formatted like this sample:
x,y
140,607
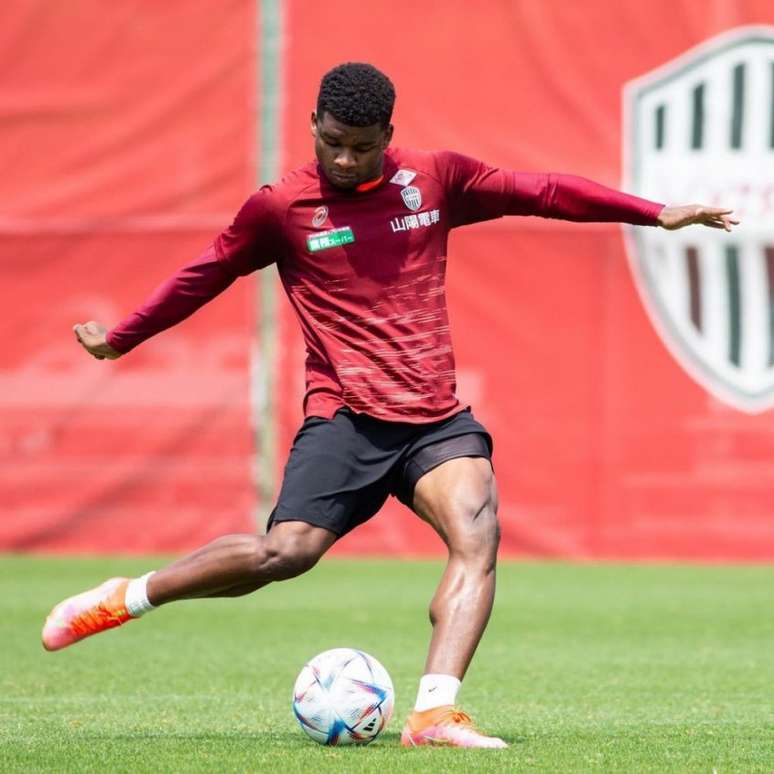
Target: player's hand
x,y
672,218
92,335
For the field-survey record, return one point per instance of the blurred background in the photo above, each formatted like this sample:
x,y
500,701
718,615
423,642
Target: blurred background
x,y
627,378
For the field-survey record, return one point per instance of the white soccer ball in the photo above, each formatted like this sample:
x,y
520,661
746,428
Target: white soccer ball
x,y
343,696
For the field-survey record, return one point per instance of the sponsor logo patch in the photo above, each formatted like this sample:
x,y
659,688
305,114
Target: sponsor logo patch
x,y
412,197
701,129
403,177
420,220
325,240
320,216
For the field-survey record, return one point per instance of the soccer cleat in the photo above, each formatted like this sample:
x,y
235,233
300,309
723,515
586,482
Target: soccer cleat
x,y
85,614
447,727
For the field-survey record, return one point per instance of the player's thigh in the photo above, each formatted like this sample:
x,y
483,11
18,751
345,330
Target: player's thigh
x,y
335,477
458,498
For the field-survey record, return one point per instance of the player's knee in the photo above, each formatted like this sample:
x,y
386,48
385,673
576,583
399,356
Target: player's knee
x,y
274,560
286,560
477,534
485,538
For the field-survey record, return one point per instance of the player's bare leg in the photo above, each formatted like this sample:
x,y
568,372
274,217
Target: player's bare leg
x,y
229,566
234,565
459,499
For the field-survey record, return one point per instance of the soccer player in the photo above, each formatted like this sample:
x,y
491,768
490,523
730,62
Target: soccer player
x,y
360,239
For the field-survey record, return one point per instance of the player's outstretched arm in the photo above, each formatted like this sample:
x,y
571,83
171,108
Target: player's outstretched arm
x,y
92,336
173,301
672,218
250,243
480,192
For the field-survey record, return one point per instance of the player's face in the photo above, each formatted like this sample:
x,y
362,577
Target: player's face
x,y
349,155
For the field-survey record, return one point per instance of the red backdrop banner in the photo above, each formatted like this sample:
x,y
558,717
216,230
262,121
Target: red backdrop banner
x,y
125,153
128,135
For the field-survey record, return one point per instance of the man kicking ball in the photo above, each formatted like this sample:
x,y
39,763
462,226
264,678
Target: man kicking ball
x,y
359,237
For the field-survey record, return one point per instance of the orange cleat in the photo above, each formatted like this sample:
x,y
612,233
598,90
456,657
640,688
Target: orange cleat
x,y
447,727
86,614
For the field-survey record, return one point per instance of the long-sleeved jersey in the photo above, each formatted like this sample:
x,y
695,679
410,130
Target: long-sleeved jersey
x,y
365,271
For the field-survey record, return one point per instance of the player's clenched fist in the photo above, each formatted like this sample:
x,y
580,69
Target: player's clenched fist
x,y
92,337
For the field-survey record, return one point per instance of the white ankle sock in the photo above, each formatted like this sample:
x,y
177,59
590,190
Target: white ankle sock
x,y
435,691
136,601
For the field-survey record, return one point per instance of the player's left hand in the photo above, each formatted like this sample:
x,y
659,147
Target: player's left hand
x,y
672,218
93,338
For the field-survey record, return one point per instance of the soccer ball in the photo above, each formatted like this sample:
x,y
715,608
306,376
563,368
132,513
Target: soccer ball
x,y
343,696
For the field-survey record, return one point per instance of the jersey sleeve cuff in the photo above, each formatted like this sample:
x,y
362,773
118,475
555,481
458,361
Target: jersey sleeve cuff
x,y
113,341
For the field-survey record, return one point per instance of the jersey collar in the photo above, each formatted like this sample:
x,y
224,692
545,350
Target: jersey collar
x,y
370,185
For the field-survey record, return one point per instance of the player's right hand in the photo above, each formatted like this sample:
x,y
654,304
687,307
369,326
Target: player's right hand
x,y
673,218
92,336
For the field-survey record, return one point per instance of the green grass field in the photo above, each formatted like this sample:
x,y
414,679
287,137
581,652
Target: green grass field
x,y
583,668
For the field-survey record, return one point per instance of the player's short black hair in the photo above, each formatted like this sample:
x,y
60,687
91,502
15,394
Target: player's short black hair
x,y
357,94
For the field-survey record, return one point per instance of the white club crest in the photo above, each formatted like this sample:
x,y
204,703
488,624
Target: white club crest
x,y
412,197
701,129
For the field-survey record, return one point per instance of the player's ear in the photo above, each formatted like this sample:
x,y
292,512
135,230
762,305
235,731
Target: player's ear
x,y
313,126
387,136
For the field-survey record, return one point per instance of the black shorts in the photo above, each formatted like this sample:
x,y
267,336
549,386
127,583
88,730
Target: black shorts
x,y
340,471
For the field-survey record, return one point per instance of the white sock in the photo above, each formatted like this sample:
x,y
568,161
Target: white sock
x,y
137,596
435,691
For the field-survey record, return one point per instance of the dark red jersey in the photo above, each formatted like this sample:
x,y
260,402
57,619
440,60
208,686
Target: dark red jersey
x,y
365,271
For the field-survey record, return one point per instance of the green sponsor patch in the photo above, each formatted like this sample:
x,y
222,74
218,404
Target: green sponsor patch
x,y
327,239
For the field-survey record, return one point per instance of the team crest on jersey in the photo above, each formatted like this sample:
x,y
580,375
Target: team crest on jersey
x,y
699,129
412,197
320,216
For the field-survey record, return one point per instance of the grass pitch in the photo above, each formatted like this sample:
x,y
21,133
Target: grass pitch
x,y
583,668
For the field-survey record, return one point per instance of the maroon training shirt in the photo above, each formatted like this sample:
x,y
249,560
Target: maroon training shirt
x,y
365,271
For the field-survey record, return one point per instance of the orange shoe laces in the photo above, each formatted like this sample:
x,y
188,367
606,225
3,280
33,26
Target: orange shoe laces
x,y
95,619
458,717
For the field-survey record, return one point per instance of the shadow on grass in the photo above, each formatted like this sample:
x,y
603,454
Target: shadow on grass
x,y
285,738
292,739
